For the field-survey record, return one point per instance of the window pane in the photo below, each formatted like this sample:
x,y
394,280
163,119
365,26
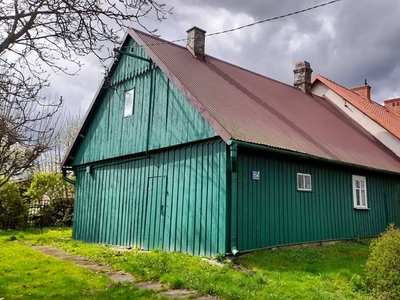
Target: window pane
x,y
307,183
129,97
362,184
363,198
357,183
300,181
358,197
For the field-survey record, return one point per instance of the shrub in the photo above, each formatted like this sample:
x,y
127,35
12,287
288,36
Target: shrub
x,y
49,184
382,270
51,200
13,210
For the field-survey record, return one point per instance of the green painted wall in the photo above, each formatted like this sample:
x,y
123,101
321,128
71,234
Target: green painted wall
x,y
175,200
173,120
272,212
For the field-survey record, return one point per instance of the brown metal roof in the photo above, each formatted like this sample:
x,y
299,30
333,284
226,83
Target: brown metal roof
x,y
246,106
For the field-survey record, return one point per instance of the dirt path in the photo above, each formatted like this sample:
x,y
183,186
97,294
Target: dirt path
x,y
116,276
120,276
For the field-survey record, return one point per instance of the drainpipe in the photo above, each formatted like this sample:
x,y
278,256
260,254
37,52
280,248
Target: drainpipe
x,y
234,197
65,178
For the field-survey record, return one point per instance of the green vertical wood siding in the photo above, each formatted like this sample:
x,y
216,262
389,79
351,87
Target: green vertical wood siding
x,y
172,119
175,200
272,212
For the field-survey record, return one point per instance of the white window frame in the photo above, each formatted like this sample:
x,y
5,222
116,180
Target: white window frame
x,y
303,188
359,204
129,102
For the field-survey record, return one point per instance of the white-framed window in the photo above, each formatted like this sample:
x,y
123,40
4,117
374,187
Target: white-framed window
x,y
360,192
129,102
304,182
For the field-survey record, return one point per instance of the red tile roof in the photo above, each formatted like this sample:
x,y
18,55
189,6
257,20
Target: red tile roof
x,y
380,114
245,106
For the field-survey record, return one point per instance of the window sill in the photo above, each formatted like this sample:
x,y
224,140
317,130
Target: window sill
x,y
362,208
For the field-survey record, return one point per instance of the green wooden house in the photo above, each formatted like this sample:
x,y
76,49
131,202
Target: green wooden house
x,y
185,152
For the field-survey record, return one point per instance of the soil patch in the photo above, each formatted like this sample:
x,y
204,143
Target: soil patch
x,y
176,294
149,285
116,276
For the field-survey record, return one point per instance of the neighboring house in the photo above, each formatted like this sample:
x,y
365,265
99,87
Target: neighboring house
x,y
185,152
381,121
393,105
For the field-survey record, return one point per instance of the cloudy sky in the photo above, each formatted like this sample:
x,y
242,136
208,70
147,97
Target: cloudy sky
x,y
348,42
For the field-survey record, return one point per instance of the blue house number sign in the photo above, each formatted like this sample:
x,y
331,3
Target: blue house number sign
x,y
255,175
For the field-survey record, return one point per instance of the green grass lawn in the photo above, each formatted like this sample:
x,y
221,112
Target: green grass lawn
x,y
330,272
25,273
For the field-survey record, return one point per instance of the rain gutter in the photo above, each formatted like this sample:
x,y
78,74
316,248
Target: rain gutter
x,y
65,178
306,156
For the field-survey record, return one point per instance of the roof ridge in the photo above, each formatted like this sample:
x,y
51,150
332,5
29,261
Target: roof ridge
x,y
250,71
212,57
162,41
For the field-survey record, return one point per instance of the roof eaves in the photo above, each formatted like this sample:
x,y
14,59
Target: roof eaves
x,y
303,155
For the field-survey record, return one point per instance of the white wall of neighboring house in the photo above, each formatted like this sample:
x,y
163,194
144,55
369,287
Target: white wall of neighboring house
x,y
388,139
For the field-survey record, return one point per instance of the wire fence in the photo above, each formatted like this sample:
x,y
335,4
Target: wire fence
x,y
43,213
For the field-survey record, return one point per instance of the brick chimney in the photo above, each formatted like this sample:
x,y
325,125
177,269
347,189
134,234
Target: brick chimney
x,y
302,76
364,90
195,43
393,105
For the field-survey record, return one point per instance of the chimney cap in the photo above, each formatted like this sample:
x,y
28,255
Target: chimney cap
x,y
195,28
303,65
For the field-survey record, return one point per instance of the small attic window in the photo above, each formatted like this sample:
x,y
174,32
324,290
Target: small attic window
x,y
304,182
129,102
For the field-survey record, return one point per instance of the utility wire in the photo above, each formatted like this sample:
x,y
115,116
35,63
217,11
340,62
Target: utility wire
x,y
275,18
245,26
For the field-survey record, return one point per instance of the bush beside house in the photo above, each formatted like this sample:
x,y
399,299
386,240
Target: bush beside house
x,y
382,270
13,209
42,201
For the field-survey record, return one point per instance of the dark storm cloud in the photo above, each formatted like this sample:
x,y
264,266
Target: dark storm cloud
x,y
363,42
260,9
347,41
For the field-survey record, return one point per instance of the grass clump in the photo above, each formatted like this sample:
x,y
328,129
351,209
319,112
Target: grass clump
x,y
382,270
12,238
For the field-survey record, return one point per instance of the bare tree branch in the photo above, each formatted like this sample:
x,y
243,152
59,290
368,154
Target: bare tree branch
x,y
42,36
